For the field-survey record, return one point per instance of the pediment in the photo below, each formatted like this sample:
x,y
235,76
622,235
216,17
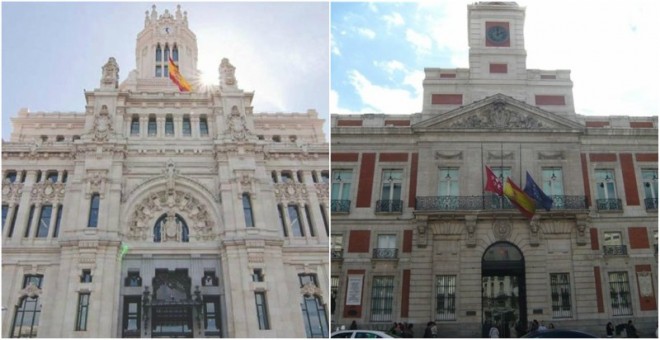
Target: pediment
x,y
499,112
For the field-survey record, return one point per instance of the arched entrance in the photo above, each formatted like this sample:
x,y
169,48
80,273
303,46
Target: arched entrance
x,y
503,295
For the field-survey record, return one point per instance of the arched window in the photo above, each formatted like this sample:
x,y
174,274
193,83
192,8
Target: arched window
x,y
167,53
170,227
28,310
175,53
247,210
159,53
93,220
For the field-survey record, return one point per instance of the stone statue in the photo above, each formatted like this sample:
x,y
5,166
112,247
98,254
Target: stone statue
x,y
227,73
110,78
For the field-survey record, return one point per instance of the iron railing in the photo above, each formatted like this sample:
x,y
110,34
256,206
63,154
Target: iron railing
x,y
337,253
489,202
615,250
385,253
340,206
611,204
391,206
651,203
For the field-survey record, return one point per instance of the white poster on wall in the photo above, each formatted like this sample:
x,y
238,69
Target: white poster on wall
x,y
354,291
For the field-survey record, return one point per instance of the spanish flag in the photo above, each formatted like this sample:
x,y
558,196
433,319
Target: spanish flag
x,y
177,78
519,198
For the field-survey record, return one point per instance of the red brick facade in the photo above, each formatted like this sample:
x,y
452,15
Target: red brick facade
x,y
345,157
639,237
599,290
359,241
366,180
629,179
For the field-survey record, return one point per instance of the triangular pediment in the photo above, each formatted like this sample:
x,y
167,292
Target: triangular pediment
x,y
499,112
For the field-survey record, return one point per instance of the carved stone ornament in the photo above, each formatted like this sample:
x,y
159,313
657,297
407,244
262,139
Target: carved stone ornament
x,y
246,183
471,227
502,230
500,156
170,173
581,224
449,156
291,192
95,183
11,192
145,214
557,155
322,192
47,192
310,289
227,73
422,235
497,115
31,291
102,126
534,226
110,76
237,127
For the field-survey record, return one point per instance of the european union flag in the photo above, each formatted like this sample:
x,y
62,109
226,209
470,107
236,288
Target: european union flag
x,y
537,194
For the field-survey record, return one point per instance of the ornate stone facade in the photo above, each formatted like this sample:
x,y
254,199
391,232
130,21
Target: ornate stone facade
x,y
159,201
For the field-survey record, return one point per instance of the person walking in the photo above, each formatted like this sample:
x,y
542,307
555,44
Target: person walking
x,y
353,325
631,331
494,332
427,330
609,330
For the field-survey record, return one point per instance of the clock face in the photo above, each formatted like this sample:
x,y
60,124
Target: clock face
x,y
166,30
497,34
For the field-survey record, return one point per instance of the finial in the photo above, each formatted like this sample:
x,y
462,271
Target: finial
x,y
178,12
185,17
154,15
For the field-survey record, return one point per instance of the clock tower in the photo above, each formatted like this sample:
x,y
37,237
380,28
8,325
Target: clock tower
x,y
496,39
164,36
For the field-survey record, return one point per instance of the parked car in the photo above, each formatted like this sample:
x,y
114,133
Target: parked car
x,y
363,334
558,333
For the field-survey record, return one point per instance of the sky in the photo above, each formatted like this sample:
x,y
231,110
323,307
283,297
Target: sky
x,y
379,52
52,52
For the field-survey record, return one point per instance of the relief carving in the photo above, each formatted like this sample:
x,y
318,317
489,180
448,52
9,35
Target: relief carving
x,y
448,156
47,192
291,192
497,115
310,289
95,182
502,230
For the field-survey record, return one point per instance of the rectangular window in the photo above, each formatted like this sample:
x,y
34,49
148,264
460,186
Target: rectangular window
x,y
325,177
613,244
211,315
133,279
386,247
382,296
620,293
286,176
325,219
334,293
309,221
11,176
186,129
44,221
83,309
448,182
294,217
257,275
5,211
86,276
203,127
131,322
445,297
605,184
390,195
280,211
337,246
262,310
560,291
135,126
29,223
553,185
159,71
650,184
12,222
166,69
93,220
58,220
306,278
341,184
247,210
169,126
151,126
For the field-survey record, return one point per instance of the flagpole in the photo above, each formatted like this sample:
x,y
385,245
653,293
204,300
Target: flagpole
x,y
482,170
520,166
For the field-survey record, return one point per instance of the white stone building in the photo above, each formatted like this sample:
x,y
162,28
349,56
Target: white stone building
x,y
415,238
163,213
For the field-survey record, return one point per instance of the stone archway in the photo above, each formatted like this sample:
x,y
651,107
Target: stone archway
x,y
503,292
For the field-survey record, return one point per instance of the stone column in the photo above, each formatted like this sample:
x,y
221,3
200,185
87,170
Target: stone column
x,y
10,216
144,124
194,126
32,228
53,219
178,126
160,127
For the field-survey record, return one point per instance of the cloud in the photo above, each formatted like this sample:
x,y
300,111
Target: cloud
x,y
367,33
382,99
421,42
334,47
394,19
334,104
390,66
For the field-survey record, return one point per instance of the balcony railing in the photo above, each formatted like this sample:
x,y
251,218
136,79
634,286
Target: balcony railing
x,y
340,206
611,204
391,206
452,203
615,250
337,253
651,203
385,253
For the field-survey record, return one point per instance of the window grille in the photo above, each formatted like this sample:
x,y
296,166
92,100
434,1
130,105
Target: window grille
x,y
560,291
620,293
382,296
445,297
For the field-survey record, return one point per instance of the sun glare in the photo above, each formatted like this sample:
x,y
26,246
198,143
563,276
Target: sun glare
x,y
209,78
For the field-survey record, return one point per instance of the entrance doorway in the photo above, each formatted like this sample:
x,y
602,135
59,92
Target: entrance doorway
x,y
503,295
